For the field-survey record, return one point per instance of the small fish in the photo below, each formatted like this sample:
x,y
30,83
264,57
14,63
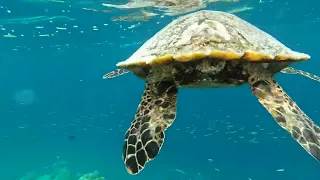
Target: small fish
x,y
240,9
71,137
96,10
180,171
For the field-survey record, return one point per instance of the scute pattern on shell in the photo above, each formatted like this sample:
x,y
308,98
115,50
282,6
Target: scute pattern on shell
x,y
206,31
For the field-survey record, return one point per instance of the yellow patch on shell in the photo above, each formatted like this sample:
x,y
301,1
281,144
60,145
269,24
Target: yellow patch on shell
x,y
287,58
161,60
254,56
223,55
190,57
281,58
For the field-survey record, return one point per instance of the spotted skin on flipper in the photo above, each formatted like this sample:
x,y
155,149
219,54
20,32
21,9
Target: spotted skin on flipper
x,y
155,113
290,70
115,73
286,112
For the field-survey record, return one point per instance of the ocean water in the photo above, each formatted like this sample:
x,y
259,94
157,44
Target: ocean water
x,y
58,115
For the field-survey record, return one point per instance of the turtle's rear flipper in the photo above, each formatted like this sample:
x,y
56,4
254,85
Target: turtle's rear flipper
x,y
115,73
290,70
287,113
155,113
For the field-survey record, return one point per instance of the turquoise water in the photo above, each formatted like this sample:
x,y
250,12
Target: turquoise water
x,y
55,107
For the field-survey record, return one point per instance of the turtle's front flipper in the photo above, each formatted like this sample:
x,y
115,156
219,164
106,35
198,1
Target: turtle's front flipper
x,y
115,73
155,113
287,113
290,70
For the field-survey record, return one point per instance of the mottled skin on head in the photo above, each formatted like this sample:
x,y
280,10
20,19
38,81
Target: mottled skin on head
x,y
209,49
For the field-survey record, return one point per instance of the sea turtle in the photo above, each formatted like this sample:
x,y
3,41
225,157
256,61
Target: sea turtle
x,y
287,70
209,49
169,7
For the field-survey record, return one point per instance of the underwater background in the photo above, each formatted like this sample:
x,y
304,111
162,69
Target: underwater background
x,y
58,115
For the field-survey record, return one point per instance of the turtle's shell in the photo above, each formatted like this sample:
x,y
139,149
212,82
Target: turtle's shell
x,y
214,34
